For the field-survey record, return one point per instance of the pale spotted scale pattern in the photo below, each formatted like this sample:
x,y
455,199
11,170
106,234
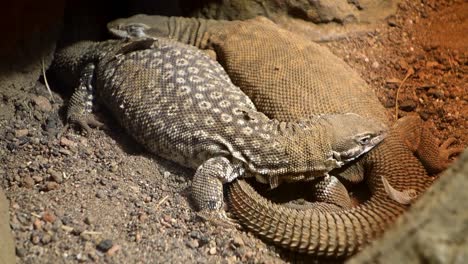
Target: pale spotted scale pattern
x,y
182,105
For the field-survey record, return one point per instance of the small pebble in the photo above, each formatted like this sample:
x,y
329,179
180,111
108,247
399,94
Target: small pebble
x,y
81,257
42,103
143,217
49,217
113,250
375,65
77,230
432,64
66,142
56,176
88,220
65,152
19,133
114,167
46,239
138,237
193,243
436,93
238,241
212,251
37,178
100,194
37,224
104,245
50,186
407,105
20,252
28,182
35,239
391,21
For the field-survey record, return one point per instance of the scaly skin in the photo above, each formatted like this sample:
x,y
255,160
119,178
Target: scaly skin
x,y
182,106
289,77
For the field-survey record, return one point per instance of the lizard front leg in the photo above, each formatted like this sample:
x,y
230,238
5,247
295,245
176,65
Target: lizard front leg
x,y
330,190
207,188
81,103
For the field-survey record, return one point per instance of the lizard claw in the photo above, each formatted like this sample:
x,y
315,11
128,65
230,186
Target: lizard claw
x,y
218,217
446,150
85,123
402,197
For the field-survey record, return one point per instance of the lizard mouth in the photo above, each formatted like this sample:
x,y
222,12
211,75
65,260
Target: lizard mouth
x,y
129,31
359,150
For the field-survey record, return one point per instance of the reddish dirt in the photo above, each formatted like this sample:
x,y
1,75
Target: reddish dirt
x,y
425,42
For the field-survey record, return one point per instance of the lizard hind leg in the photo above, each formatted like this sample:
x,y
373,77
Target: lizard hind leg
x,y
80,107
207,189
434,156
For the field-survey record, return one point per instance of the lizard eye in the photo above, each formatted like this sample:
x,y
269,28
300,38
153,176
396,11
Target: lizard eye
x,y
364,140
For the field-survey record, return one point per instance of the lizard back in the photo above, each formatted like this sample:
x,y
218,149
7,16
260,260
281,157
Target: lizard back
x,y
179,103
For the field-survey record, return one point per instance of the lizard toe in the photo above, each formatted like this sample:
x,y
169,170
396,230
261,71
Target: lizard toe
x,y
218,217
447,150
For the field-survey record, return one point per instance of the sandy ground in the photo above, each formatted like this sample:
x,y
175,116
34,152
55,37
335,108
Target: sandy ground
x,y
102,198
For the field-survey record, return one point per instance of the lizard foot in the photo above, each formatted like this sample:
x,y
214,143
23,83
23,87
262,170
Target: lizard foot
x,y
85,123
447,150
218,217
402,197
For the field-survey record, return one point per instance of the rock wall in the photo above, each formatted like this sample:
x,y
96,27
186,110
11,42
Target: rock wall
x,y
434,230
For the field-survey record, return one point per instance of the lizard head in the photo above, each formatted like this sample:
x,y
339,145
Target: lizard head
x,y
353,135
139,26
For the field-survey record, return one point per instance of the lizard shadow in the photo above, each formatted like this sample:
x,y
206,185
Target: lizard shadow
x,y
301,193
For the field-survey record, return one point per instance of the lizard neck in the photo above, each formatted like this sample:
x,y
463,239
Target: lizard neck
x,y
193,31
294,148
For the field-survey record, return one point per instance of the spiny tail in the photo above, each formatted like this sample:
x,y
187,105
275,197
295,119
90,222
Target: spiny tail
x,y
336,234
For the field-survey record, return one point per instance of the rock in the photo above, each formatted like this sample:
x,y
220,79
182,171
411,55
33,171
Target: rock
x,y
319,12
42,104
19,133
433,230
238,241
81,257
105,245
77,230
437,93
391,21
212,251
432,64
407,105
393,81
66,142
20,252
28,182
49,217
50,186
88,220
424,115
35,239
56,176
192,243
403,64
113,250
100,194
143,217
37,178
37,224
46,239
